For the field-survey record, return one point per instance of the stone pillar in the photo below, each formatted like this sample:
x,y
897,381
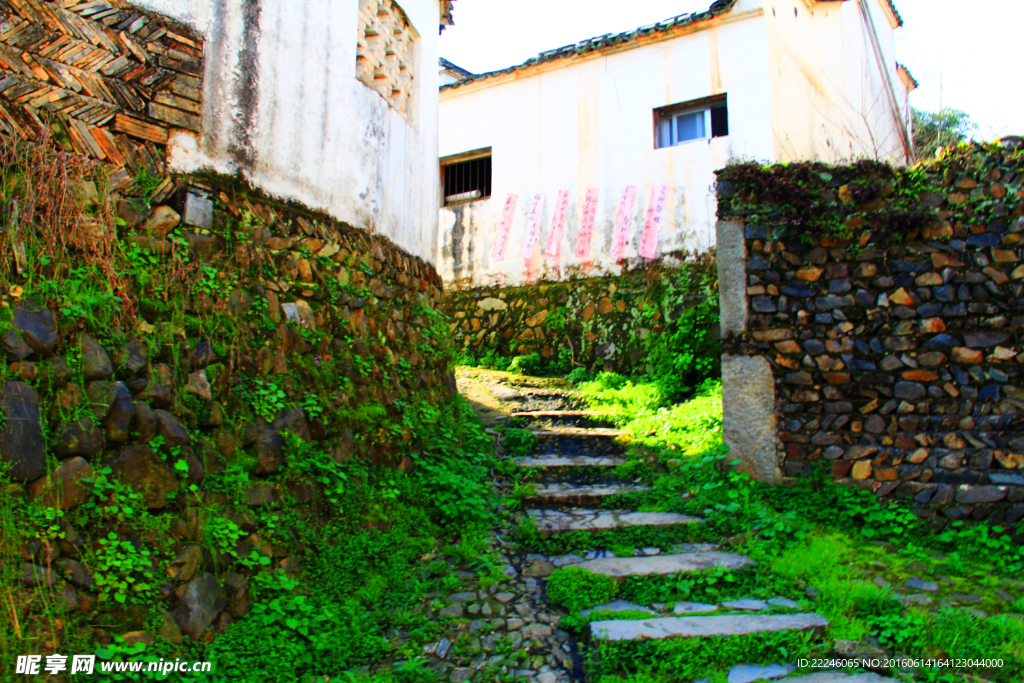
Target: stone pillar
x,y
748,384
748,416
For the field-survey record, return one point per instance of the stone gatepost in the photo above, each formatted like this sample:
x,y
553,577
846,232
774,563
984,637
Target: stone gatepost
x,y
748,383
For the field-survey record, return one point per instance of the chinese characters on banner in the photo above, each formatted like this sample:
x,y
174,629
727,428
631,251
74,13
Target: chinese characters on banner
x,y
501,240
558,223
587,224
622,221
652,225
533,219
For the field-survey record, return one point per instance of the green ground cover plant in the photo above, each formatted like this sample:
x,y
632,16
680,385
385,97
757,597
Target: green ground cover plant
x,y
817,542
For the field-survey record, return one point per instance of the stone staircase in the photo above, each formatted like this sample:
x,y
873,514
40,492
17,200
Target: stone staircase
x,y
572,470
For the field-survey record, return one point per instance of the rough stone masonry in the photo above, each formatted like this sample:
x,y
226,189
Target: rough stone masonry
x,y
873,321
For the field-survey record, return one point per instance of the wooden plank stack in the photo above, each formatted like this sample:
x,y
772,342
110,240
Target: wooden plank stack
x,y
108,80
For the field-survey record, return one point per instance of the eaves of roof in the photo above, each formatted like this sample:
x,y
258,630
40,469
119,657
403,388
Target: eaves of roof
x,y
611,40
904,71
453,68
446,13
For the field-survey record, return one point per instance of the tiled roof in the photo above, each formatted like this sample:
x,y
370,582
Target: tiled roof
x,y
446,13
904,70
606,41
895,12
455,69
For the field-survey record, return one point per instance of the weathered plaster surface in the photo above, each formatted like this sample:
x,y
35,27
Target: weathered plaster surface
x,y
282,105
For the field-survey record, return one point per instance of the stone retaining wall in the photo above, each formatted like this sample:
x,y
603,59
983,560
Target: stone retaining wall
x,y
884,310
261,322
597,323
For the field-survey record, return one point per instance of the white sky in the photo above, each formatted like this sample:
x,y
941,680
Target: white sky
x,y
965,54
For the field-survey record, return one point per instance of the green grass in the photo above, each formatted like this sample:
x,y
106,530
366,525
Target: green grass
x,y
816,536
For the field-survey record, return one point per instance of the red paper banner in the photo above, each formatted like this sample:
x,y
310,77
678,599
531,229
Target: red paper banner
x,y
622,222
587,224
501,240
652,225
533,219
558,223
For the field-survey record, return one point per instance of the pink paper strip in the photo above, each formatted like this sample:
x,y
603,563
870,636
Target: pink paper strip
x,y
587,224
622,222
558,223
652,225
501,241
533,219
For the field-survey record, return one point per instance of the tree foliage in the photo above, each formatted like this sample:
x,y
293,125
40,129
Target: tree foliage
x,y
938,129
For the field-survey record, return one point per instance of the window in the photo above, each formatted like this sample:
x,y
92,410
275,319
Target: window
x,y
466,177
698,120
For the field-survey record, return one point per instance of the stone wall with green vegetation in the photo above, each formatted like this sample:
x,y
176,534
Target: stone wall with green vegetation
x,y
652,320
230,440
889,305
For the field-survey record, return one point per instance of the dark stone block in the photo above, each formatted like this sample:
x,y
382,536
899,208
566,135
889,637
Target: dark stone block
x,y
947,477
37,327
957,513
21,440
799,289
984,241
752,232
989,393
908,266
981,340
941,341
814,347
932,309
757,262
826,303
839,286
864,298
954,310
763,304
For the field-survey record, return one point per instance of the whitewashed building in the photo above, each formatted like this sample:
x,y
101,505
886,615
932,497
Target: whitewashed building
x,y
591,156
332,103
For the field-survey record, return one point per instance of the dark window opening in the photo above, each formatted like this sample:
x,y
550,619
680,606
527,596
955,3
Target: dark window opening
x,y
466,179
696,120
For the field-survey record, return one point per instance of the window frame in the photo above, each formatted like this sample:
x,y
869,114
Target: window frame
x,y
704,104
462,157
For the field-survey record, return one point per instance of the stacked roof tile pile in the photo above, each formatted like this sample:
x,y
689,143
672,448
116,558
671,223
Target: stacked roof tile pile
x,y
109,81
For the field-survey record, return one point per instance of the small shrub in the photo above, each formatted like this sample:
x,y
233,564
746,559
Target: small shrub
x,y
575,588
530,364
519,441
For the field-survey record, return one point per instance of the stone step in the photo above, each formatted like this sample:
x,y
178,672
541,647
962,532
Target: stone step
x,y
557,521
581,495
552,462
580,432
696,627
665,564
562,413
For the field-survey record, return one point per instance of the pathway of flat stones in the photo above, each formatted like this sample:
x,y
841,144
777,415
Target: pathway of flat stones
x,y
511,626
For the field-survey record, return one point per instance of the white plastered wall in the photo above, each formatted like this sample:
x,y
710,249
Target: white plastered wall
x,y
589,124
827,88
282,105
